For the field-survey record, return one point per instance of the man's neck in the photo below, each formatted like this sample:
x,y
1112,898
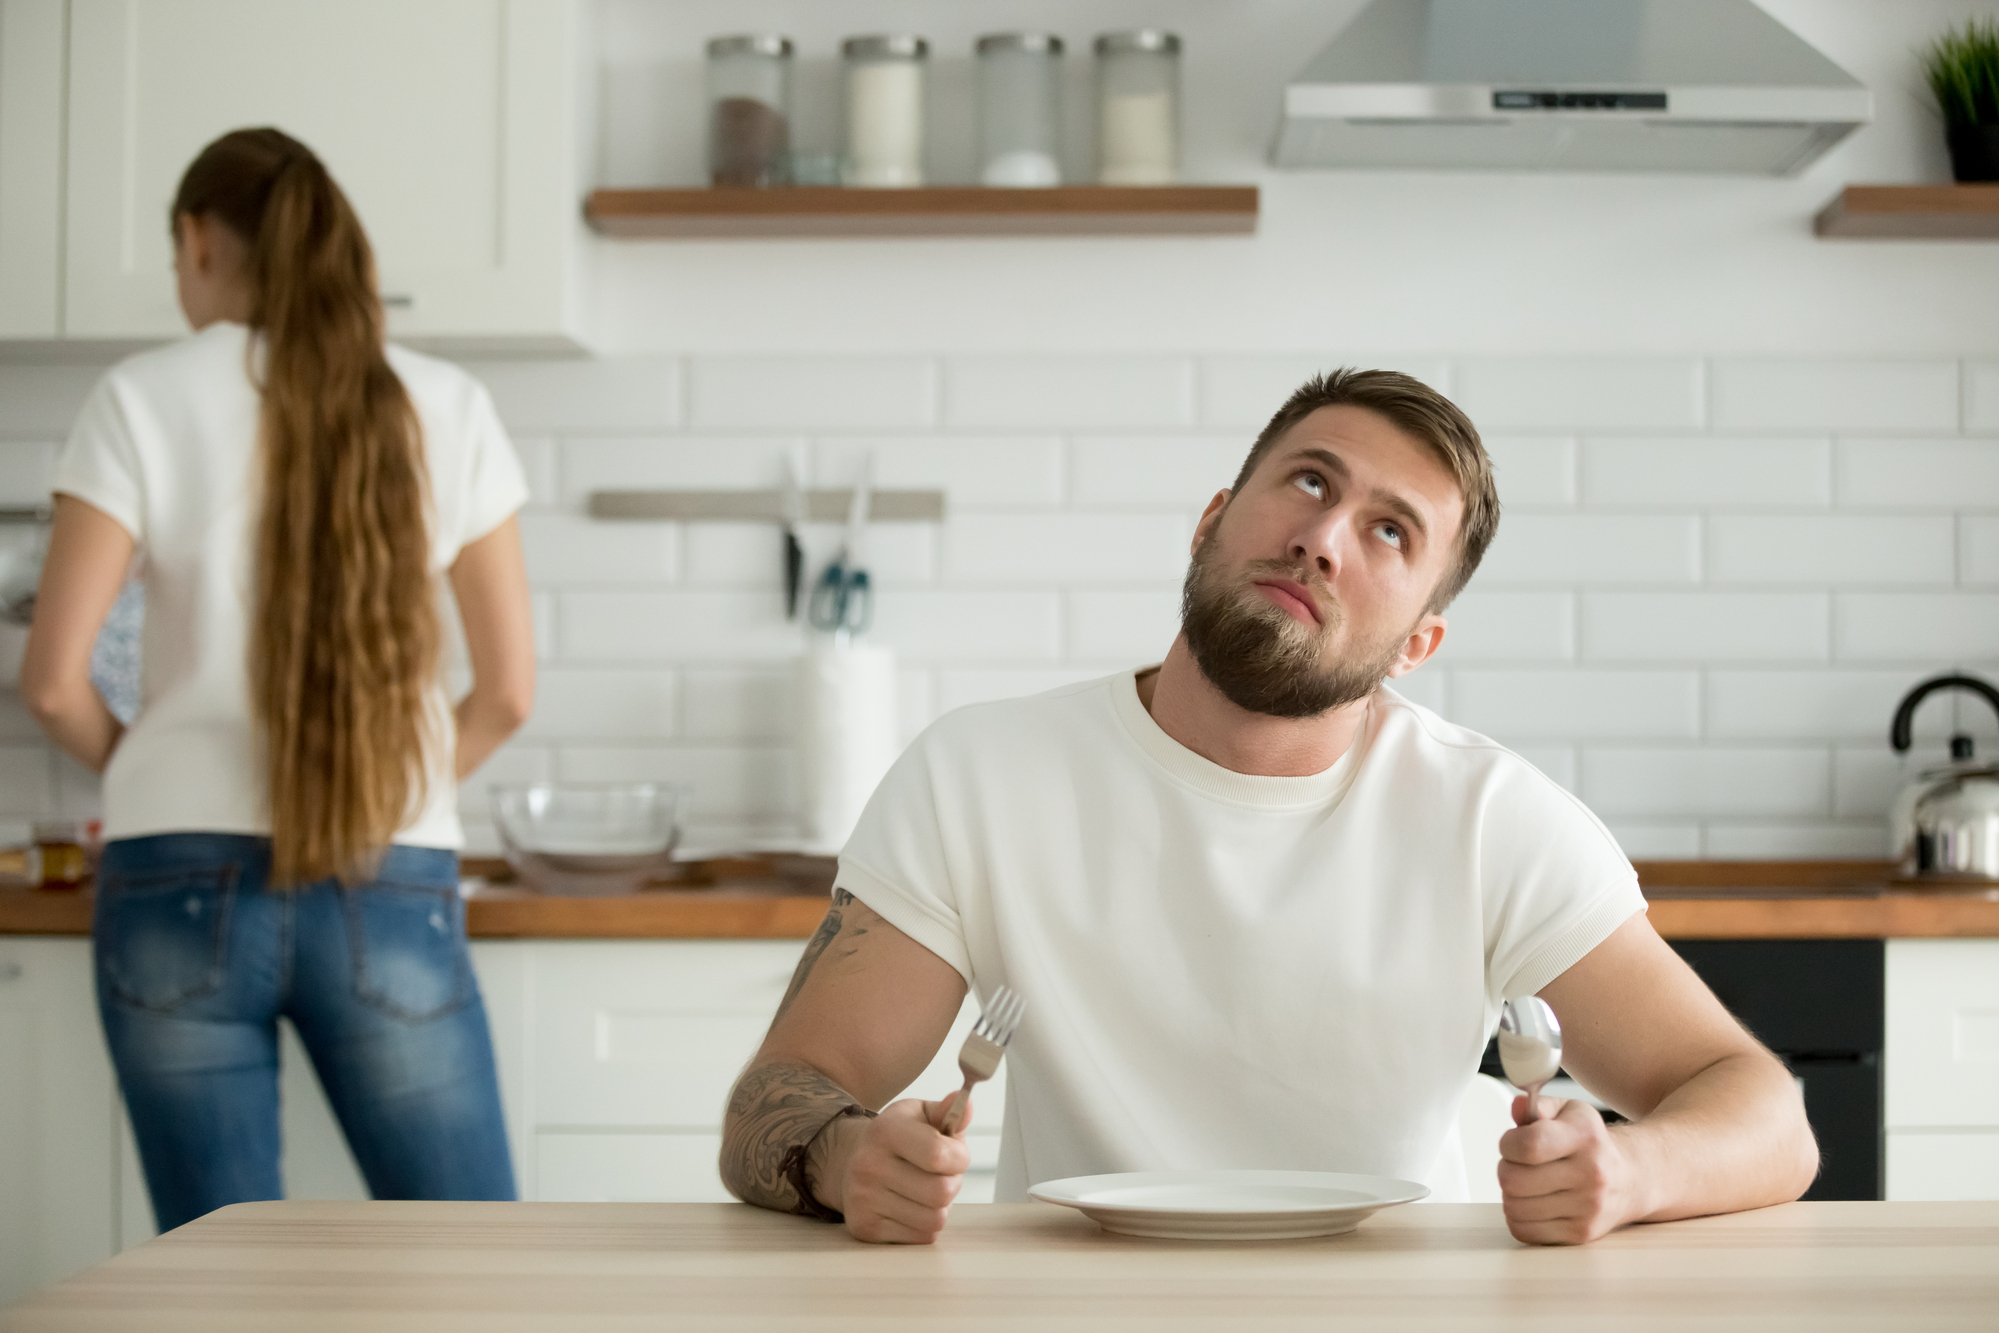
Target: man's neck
x,y
1189,708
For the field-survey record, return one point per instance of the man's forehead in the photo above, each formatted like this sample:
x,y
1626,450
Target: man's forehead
x,y
1361,437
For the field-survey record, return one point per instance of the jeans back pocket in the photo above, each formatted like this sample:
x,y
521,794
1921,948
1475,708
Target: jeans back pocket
x,y
162,938
410,956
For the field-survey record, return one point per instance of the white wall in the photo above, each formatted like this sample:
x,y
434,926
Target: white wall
x,y
1751,478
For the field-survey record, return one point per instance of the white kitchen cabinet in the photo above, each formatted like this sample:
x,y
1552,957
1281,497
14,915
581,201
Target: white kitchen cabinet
x,y
636,1044
455,126
1941,1058
31,110
58,1117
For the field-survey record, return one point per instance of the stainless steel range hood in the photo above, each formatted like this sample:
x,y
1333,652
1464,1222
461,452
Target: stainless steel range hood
x,y
1568,85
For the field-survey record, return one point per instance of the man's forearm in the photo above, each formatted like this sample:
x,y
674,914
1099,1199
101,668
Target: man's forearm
x,y
1732,1137
778,1105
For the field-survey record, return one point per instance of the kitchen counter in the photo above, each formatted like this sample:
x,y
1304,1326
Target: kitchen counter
x,y
784,898
1430,1267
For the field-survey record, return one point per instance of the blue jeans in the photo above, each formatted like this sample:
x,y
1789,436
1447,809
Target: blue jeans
x,y
196,959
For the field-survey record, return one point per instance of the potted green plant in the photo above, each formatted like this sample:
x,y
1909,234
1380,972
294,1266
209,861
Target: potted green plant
x,y
1962,68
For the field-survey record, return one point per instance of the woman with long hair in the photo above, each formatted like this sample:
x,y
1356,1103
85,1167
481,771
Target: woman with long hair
x,y
280,817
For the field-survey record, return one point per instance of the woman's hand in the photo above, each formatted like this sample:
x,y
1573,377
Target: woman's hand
x,y
89,555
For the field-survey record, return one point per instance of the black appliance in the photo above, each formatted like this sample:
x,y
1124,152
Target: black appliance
x,y
1818,1005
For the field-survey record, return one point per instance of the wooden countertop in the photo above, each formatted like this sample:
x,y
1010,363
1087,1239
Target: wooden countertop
x,y
749,899
518,1267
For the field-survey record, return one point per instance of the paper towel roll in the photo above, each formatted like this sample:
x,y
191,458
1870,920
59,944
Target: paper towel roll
x,y
847,736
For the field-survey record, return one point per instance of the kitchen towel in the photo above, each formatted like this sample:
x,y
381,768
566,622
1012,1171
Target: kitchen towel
x,y
847,736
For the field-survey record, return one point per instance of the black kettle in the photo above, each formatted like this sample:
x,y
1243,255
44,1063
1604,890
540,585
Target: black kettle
x,y
1945,824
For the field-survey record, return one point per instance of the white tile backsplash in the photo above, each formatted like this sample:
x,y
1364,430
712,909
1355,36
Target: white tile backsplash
x,y
1933,627
821,392
1845,549
566,550
1157,472
1047,548
1714,578
1246,391
996,471
1001,392
1593,549
1919,474
25,470
1755,393
1588,393
622,394
1705,626
1690,472
1515,706
1533,471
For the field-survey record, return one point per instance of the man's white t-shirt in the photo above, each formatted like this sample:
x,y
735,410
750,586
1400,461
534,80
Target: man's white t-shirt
x,y
1225,970
167,446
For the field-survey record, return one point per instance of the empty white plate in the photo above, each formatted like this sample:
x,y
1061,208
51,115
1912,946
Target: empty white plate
x,y
1228,1205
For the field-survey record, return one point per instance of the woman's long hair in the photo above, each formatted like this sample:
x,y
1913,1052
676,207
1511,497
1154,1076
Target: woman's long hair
x,y
344,631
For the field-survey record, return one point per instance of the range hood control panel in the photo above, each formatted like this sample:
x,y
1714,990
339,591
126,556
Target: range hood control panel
x,y
1531,100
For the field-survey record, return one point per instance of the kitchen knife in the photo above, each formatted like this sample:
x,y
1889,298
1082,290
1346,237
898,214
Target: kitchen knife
x,y
794,551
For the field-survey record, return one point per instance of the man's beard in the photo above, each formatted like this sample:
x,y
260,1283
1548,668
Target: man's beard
x,y
1259,656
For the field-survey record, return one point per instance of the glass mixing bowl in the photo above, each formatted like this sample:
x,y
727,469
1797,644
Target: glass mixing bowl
x,y
588,839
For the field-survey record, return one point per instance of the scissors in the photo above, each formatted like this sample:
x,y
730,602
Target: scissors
x,y
844,600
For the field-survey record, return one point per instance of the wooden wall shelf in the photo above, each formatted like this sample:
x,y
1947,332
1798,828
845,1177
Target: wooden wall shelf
x,y
1912,212
941,210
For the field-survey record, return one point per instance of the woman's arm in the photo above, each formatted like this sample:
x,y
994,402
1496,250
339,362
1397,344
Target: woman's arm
x,y
89,554
490,580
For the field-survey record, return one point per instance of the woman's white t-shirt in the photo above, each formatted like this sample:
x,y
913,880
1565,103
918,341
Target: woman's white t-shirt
x,y
1227,971
167,445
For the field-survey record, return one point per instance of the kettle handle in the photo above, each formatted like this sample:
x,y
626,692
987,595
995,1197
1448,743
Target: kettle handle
x,y
1898,731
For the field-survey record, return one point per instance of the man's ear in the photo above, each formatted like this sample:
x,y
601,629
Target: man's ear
x,y
1422,644
1209,517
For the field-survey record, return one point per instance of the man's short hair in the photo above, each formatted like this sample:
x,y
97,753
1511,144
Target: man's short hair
x,y
1419,411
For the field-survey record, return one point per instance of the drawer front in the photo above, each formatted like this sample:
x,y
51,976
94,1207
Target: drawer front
x,y
675,1168
650,1035
1943,1166
1942,1046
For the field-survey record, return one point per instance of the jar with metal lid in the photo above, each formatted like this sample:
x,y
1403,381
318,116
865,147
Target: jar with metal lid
x,y
884,110
1019,109
749,109
1138,107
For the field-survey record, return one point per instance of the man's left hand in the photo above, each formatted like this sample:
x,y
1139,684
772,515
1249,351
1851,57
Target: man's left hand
x,y
1564,1180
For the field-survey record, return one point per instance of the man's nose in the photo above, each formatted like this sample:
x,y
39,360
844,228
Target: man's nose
x,y
1325,543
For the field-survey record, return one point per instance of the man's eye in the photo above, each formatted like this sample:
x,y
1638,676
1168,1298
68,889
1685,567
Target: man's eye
x,y
1390,534
1310,483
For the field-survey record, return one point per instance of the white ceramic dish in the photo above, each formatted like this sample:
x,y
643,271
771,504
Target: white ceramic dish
x,y
1228,1205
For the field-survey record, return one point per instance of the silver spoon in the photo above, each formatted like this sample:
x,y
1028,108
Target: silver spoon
x,y
1530,1047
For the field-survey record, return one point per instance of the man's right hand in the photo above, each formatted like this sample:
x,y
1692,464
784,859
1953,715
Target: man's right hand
x,y
900,1173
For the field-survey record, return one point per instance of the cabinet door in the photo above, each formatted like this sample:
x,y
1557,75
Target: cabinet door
x,y
58,1118
1941,1047
31,56
450,125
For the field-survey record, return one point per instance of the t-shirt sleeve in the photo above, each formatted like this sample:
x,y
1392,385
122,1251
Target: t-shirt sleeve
x,y
100,464
897,862
496,487
1556,883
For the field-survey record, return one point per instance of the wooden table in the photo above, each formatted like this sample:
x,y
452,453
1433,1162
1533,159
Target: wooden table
x,y
501,1268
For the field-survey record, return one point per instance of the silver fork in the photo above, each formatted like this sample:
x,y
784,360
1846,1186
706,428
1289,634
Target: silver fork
x,y
979,1058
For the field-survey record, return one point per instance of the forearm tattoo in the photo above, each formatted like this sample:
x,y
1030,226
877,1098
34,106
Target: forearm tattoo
x,y
780,1104
775,1107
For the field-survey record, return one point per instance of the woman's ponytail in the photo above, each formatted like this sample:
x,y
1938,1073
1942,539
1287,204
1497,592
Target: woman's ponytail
x,y
344,628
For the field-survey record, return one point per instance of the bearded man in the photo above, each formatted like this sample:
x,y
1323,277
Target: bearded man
x,y
1263,910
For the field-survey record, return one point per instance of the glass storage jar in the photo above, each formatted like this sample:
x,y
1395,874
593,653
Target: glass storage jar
x,y
1138,107
749,109
884,110
1019,108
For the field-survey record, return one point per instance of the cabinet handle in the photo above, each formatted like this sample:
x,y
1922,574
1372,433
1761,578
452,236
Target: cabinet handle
x,y
398,300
